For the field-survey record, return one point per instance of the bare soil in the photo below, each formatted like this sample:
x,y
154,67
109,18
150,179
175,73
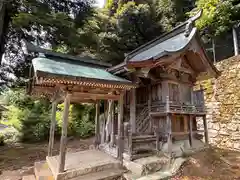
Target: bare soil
x,y
212,164
17,160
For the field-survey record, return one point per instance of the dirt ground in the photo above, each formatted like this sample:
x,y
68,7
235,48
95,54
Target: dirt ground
x,y
18,160
212,164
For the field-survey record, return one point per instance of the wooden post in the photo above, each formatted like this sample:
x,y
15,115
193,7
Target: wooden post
x,y
157,137
190,130
149,108
120,129
169,127
97,125
167,104
133,110
205,129
109,121
113,123
52,128
63,143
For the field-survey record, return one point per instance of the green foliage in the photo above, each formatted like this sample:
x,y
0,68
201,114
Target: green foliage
x,y
10,135
31,118
218,16
126,25
40,22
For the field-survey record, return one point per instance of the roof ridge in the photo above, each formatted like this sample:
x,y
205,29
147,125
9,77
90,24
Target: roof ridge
x,y
46,52
165,35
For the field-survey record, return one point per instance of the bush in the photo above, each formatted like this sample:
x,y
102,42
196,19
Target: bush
x,y
31,118
10,135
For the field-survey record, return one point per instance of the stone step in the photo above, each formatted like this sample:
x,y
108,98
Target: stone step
x,y
146,165
141,155
153,176
110,174
42,171
29,177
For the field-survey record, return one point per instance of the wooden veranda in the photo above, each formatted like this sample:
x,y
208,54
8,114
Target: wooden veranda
x,y
64,79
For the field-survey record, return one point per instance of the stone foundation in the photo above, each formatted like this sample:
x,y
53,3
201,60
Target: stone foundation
x,y
222,100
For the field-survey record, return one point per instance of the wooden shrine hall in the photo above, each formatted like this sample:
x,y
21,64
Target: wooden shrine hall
x,y
158,107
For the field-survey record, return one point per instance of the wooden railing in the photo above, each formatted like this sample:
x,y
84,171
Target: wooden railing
x,y
173,107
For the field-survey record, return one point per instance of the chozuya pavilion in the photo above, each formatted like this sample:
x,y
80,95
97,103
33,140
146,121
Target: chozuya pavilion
x,y
151,111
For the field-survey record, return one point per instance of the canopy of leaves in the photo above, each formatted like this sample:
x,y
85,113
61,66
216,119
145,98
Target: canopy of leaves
x,y
218,16
45,23
129,24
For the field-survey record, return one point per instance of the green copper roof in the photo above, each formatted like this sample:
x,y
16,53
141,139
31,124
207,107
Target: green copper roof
x,y
66,67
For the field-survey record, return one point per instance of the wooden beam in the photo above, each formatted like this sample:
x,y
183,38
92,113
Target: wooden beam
x,y
95,96
63,143
190,130
205,129
120,128
133,110
97,125
52,128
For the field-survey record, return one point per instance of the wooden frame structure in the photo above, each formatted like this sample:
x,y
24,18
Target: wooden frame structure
x,y
71,88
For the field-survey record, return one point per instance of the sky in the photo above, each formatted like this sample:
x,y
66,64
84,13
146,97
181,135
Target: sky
x,y
100,3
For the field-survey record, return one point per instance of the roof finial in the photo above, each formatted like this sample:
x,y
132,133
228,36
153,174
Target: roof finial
x,y
190,22
189,28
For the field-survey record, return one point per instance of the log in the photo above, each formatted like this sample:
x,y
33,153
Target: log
x,y
63,143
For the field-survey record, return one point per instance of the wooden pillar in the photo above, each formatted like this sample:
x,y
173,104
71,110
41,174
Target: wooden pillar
x,y
157,137
63,143
190,130
120,129
52,128
113,125
109,120
133,110
169,127
205,129
97,124
149,108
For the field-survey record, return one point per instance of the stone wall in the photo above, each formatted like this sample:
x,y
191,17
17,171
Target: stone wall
x,y
222,100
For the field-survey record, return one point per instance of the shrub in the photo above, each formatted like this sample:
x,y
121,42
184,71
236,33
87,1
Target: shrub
x,y
10,135
31,118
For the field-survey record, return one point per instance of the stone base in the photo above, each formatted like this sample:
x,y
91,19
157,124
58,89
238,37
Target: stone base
x,y
144,166
83,163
